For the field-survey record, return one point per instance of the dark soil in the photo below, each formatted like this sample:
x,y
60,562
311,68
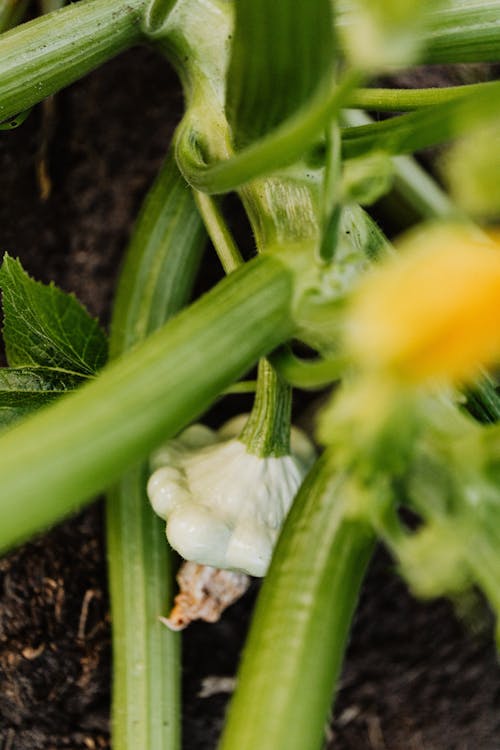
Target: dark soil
x,y
416,677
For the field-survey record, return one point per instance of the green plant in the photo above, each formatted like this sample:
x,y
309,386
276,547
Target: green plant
x,y
268,88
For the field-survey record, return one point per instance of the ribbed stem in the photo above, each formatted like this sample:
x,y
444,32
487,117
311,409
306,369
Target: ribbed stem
x,y
83,443
402,100
155,282
48,53
11,13
300,628
425,127
308,373
463,32
218,231
267,432
411,181
281,147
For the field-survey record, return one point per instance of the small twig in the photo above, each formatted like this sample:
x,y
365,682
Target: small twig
x,y
375,735
9,739
89,595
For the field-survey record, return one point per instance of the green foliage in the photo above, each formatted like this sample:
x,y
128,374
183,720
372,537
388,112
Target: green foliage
x,y
45,327
265,84
453,490
52,343
25,389
483,400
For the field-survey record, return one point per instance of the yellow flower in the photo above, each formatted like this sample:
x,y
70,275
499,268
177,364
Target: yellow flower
x,y
431,312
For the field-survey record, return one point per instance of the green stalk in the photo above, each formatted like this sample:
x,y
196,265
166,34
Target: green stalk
x,y
11,13
64,455
300,628
411,181
459,31
462,32
155,282
267,432
282,146
48,53
163,254
331,194
156,15
426,127
218,231
308,373
404,100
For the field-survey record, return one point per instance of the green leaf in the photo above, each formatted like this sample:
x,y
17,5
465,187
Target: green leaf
x,y
25,389
46,327
282,51
458,546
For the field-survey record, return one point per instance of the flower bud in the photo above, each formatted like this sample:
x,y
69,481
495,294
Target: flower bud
x,y
433,312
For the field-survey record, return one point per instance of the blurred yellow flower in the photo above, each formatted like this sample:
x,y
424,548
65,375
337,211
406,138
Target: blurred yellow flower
x,y
431,312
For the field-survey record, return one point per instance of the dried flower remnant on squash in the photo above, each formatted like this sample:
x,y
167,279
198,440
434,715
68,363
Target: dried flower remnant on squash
x,y
205,593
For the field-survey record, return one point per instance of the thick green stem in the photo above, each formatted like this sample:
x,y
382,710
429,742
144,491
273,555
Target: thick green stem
x,y
458,31
462,32
43,56
281,147
156,280
64,455
163,254
146,658
299,632
267,432
11,13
